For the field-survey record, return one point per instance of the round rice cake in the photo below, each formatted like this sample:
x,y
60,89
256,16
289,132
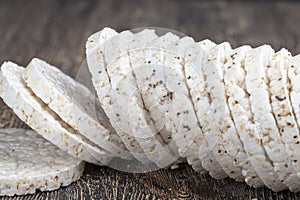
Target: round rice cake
x,y
181,117
285,119
151,82
30,163
148,75
238,102
129,106
293,67
223,132
200,97
95,53
256,62
39,117
195,83
74,104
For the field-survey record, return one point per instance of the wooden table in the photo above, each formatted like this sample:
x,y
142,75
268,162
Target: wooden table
x,y
57,31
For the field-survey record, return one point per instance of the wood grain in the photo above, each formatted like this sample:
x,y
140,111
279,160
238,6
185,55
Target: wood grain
x,y
57,30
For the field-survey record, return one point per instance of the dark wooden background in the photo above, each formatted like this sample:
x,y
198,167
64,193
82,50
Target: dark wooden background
x,y
57,31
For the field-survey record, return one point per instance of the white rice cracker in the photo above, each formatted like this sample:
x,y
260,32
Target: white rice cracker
x,y
268,164
39,117
181,118
283,112
30,163
239,105
294,89
195,79
128,106
148,77
74,103
95,53
227,147
147,64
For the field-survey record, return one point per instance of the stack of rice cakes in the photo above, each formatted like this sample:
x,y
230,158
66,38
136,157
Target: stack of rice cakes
x,y
239,103
164,100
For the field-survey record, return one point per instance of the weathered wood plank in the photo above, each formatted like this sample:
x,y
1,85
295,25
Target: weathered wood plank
x,y
57,30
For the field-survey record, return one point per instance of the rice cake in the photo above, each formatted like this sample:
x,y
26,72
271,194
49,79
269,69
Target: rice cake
x,y
128,106
285,119
39,117
195,83
151,81
294,89
256,62
238,102
95,50
181,116
223,130
30,163
74,103
200,97
147,73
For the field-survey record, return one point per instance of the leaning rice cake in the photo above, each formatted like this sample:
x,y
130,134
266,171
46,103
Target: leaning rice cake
x,y
95,53
145,79
74,104
39,117
256,62
239,105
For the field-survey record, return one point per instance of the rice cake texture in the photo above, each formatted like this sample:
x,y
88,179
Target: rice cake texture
x,y
256,63
196,82
145,75
74,103
196,85
147,65
95,53
188,134
39,117
128,106
294,89
30,163
194,159
228,146
151,82
285,119
239,105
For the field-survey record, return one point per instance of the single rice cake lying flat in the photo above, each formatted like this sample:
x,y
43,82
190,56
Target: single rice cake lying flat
x,y
30,163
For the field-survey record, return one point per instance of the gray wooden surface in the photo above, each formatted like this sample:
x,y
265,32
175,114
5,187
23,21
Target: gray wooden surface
x,y
57,30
